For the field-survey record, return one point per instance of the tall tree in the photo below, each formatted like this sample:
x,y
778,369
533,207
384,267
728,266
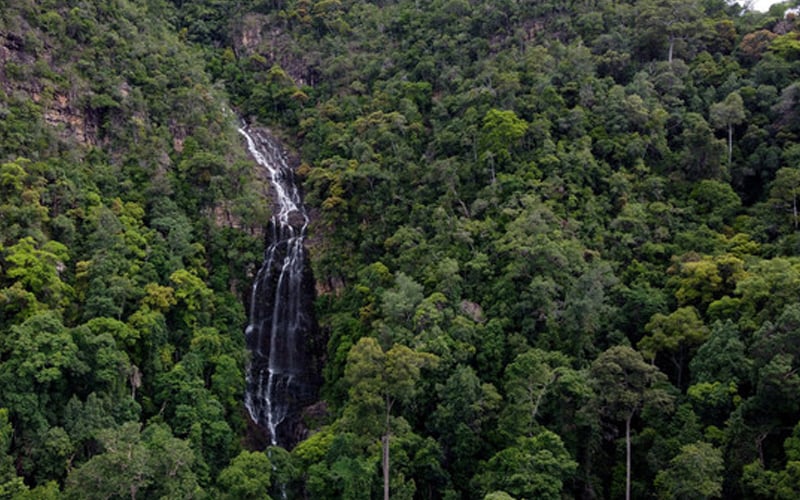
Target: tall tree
x,y
677,19
624,383
533,378
726,114
378,380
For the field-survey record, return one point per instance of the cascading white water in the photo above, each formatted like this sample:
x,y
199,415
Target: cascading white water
x,y
280,378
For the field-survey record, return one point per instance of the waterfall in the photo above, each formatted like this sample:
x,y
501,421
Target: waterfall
x,y
281,378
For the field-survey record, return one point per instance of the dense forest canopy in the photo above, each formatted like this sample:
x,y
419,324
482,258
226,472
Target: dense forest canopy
x,y
556,246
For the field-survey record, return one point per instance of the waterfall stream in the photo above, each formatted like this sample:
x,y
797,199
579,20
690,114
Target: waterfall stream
x,y
280,375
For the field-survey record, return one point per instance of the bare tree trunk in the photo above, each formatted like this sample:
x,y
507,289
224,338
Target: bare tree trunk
x,y
386,467
671,47
385,442
730,144
628,457
759,442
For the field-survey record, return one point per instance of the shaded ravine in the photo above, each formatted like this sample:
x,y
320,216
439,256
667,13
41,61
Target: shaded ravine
x,y
281,377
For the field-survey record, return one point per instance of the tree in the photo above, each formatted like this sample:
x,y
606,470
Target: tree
x,y
247,476
534,378
675,334
722,356
696,472
147,464
37,268
704,279
401,300
466,410
535,467
501,130
498,495
377,381
715,203
624,383
123,470
21,213
10,483
783,194
767,288
701,151
195,295
783,484
726,114
677,19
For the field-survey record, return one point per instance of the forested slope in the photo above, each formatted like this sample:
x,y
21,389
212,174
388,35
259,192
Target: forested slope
x,y
550,239
129,227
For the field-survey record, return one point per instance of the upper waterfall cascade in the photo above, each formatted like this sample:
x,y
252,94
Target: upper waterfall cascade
x,y
281,378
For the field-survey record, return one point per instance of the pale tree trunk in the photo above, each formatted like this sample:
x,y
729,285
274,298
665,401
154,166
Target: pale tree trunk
x,y
386,467
628,457
730,144
385,442
671,47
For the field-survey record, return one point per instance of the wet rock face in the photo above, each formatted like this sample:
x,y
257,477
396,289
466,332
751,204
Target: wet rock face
x,y
296,219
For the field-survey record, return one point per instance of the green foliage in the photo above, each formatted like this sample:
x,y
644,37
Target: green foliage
x,y
500,131
538,383
624,383
726,114
150,462
675,335
463,420
522,189
535,467
378,380
694,473
247,476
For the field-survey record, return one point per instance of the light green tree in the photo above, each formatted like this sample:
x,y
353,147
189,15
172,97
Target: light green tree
x,y
726,114
694,473
501,130
36,269
378,380
675,335
247,477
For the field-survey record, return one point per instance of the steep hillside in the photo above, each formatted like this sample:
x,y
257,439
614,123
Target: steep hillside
x,y
555,244
130,223
543,195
